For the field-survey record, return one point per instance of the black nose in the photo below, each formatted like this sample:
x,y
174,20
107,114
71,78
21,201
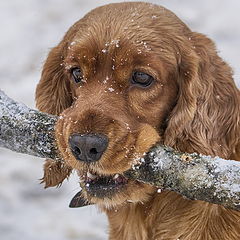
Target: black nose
x,y
88,147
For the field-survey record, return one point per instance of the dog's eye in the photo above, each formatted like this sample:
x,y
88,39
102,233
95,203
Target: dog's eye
x,y
77,75
142,79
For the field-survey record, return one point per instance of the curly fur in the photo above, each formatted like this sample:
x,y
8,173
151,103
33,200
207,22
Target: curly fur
x,y
193,106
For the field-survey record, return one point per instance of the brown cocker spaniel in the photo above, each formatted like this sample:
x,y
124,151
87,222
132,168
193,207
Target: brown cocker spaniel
x,y
124,77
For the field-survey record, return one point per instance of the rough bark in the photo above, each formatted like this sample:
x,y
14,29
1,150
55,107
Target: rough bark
x,y
194,176
26,130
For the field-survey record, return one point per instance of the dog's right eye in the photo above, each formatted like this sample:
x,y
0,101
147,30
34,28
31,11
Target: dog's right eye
x,y
142,79
77,75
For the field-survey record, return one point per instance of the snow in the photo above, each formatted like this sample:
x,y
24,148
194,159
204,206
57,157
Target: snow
x,y
17,114
207,178
111,89
29,29
230,170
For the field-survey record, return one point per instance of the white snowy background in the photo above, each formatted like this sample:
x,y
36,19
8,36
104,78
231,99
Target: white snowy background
x,y
28,29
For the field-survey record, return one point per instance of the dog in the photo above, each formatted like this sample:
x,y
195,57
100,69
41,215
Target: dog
x,y
125,76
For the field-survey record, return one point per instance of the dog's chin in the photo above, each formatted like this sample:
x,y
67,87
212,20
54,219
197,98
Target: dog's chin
x,y
110,191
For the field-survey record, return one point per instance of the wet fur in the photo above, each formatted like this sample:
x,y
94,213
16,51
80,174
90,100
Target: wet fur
x,y
193,106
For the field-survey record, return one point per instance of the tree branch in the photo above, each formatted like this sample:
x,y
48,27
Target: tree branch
x,y
194,176
26,130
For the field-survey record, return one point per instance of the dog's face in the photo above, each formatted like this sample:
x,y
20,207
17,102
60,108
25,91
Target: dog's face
x,y
120,72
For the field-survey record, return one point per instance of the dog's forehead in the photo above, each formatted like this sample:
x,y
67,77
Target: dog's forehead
x,y
109,43
122,27
111,36
124,35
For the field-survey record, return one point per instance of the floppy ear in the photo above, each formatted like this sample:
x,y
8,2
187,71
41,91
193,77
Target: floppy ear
x,y
186,106
55,172
206,118
53,91
53,96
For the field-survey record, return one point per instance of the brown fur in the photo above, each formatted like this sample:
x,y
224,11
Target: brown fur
x,y
193,106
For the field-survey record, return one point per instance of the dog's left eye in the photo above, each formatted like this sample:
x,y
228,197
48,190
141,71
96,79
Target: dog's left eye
x,y
77,75
142,79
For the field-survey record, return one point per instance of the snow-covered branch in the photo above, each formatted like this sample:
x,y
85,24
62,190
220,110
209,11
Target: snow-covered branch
x,y
26,130
194,176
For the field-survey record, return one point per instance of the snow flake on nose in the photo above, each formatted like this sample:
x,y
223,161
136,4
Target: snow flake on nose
x,y
146,46
111,89
105,80
127,126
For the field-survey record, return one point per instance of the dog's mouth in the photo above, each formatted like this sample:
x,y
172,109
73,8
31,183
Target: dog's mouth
x,y
98,186
103,186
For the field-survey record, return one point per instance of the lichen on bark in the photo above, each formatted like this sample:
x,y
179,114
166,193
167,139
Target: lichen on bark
x,y
194,176
26,130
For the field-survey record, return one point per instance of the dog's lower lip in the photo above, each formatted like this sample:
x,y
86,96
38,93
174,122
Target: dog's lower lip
x,y
104,186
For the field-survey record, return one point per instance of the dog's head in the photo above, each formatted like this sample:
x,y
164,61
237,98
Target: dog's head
x,y
123,77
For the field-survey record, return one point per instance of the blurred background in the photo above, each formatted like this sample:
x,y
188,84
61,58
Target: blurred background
x,y
29,28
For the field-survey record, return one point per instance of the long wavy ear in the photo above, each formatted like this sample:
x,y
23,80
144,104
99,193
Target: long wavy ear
x,y
206,118
53,91
186,107
53,96
55,172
